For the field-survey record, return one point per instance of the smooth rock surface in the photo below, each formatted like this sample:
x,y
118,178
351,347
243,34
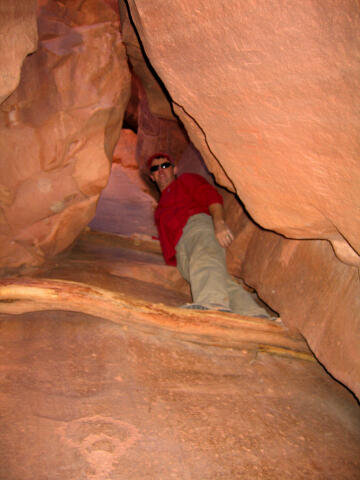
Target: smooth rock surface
x,y
269,95
315,293
126,205
143,389
87,399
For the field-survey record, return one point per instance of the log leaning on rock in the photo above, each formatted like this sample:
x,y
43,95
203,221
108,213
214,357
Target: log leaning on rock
x,y
25,294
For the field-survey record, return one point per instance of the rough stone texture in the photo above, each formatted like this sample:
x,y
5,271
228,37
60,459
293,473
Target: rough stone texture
x,y
58,130
268,94
18,38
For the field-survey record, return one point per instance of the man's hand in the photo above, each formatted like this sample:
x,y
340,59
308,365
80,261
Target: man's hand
x,y
222,232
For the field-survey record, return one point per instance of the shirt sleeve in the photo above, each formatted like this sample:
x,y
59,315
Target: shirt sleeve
x,y
201,190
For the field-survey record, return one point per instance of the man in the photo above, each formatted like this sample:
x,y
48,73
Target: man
x,y
193,235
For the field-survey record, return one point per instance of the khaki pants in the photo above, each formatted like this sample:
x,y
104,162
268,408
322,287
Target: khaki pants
x,y
201,261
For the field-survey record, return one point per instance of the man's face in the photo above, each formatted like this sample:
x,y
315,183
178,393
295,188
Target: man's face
x,y
163,176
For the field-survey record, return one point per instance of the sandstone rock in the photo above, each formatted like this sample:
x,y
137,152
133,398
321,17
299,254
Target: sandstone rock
x,y
125,156
270,94
157,134
18,38
59,128
303,280
45,239
159,104
83,397
131,113
192,162
91,167
125,150
127,204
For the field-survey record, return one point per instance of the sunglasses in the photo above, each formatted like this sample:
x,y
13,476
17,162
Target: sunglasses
x,y
155,168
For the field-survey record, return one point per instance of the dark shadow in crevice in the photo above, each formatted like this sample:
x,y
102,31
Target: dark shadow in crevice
x,y
146,59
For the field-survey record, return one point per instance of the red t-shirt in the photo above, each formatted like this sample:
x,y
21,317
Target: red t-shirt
x,y
187,195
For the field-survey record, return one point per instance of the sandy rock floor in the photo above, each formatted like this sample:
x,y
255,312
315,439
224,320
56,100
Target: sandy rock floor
x,y
83,397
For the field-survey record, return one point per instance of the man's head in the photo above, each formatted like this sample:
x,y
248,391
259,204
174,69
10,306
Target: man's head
x,y
162,170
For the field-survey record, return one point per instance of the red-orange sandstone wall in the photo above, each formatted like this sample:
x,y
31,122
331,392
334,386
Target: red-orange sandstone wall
x,y
268,92
304,281
18,38
59,128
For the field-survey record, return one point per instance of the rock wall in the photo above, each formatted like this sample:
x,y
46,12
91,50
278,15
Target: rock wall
x,y
18,38
157,100
305,282
156,134
269,97
268,93
59,128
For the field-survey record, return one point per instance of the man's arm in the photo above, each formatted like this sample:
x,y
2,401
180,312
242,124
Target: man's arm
x,y
222,231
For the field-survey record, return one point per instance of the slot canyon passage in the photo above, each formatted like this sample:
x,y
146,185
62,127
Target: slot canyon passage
x,y
102,375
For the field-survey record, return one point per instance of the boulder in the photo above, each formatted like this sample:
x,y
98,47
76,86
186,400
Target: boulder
x,y
58,130
269,96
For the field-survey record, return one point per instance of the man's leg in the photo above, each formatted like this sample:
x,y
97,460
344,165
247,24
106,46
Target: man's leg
x,y
243,302
201,261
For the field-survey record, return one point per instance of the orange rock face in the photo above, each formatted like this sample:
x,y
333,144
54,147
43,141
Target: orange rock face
x,y
159,104
304,281
58,130
18,37
269,96
157,134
